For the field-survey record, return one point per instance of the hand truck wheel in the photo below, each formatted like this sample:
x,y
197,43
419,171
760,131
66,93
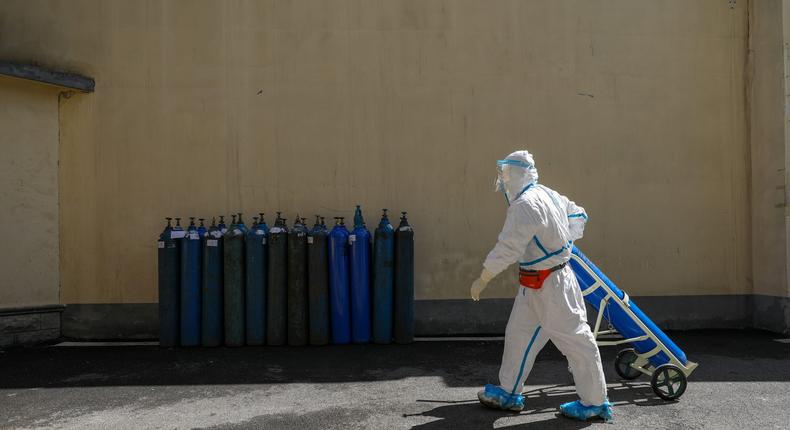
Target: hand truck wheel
x,y
622,364
668,382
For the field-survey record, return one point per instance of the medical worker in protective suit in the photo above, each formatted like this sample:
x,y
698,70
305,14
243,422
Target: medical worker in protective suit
x,y
539,231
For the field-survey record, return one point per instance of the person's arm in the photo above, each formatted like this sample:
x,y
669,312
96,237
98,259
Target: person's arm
x,y
577,219
518,231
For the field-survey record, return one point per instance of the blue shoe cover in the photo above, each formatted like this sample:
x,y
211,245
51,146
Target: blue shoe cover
x,y
577,410
497,398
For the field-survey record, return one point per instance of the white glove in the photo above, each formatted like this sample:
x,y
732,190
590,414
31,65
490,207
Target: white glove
x,y
480,284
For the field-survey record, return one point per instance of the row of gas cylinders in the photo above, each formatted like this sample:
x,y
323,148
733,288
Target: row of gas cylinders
x,y
237,285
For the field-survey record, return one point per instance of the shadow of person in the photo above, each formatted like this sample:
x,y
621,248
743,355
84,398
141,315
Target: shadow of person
x,y
540,402
470,414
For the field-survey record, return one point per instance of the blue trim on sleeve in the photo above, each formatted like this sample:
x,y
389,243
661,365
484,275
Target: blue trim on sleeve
x,y
579,215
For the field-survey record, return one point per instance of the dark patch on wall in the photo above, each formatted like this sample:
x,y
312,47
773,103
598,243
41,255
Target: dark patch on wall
x,y
29,325
111,321
771,313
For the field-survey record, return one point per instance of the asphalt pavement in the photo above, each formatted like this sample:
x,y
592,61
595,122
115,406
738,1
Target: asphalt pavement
x,y
743,382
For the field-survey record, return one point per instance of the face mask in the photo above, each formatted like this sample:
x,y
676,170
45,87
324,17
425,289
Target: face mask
x,y
503,174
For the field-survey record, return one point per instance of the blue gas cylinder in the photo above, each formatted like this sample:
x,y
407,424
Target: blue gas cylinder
x,y
318,284
202,230
256,258
212,303
191,285
297,284
169,261
233,287
277,287
340,308
221,226
241,224
404,282
359,241
383,279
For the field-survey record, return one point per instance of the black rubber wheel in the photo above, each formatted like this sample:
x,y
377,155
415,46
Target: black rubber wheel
x,y
622,364
668,382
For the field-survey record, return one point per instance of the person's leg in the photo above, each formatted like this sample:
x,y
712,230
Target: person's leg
x,y
523,340
565,322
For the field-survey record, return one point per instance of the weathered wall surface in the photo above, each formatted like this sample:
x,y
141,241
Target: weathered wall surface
x,y
28,194
767,142
634,109
769,138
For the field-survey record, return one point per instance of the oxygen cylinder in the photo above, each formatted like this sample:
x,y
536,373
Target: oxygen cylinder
x,y
202,230
297,284
318,284
234,285
339,305
256,257
383,279
169,260
211,323
191,284
404,282
277,288
359,242
241,225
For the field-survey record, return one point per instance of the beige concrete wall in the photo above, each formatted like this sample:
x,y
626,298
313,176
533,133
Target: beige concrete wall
x,y
28,193
767,140
633,108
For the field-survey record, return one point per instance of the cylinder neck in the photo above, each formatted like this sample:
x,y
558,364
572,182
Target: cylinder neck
x,y
404,222
359,221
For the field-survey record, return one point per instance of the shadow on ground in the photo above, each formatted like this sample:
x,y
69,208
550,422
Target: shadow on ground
x,y
469,414
723,356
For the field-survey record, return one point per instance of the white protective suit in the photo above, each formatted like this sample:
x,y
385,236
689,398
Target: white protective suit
x,y
539,231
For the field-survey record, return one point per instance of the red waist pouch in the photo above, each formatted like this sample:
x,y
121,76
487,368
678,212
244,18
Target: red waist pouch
x,y
535,278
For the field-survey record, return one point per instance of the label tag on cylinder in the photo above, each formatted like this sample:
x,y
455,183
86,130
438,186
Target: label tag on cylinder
x,y
263,241
194,236
211,242
309,239
260,232
352,238
160,244
177,234
216,233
